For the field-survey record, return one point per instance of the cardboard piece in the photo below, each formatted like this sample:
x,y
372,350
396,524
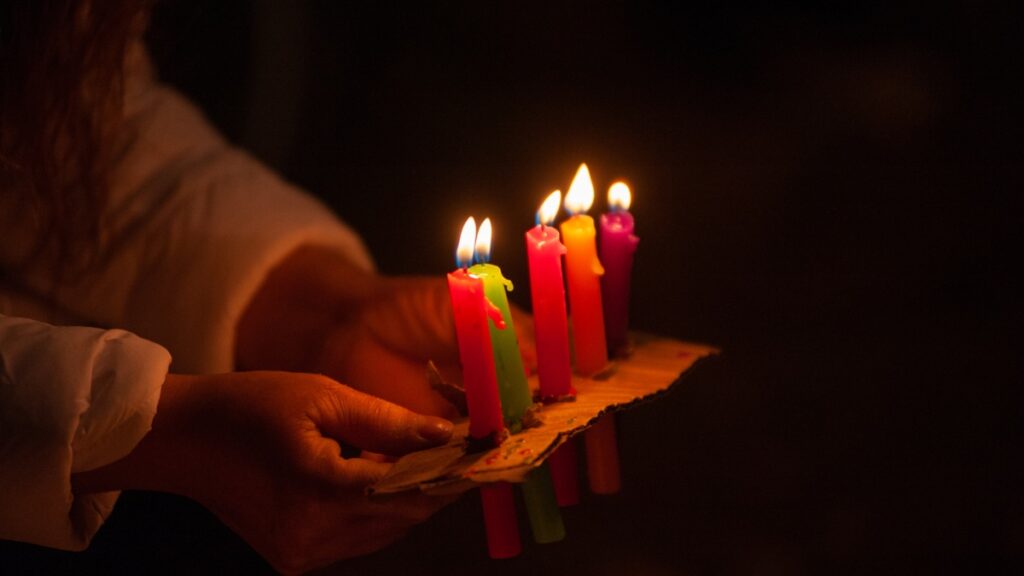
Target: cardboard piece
x,y
653,366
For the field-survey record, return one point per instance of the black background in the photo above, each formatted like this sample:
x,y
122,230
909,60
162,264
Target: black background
x,y
824,192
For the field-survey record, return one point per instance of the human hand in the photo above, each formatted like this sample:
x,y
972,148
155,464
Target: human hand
x,y
317,312
262,451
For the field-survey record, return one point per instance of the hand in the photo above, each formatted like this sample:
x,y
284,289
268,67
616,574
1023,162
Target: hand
x,y
317,312
262,451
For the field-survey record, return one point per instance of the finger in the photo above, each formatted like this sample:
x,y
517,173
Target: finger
x,y
357,474
350,473
377,425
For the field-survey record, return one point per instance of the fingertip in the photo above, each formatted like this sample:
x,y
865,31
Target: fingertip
x,y
434,430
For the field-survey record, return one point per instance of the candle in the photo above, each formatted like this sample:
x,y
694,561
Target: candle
x,y
538,493
551,328
617,246
584,271
500,520
508,362
603,456
471,311
551,333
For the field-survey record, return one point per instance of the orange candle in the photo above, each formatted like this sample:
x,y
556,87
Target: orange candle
x,y
584,271
586,311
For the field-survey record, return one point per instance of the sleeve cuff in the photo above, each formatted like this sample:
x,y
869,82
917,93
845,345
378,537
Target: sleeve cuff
x,y
71,399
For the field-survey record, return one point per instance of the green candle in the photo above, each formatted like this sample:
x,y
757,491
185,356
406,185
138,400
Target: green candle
x,y
508,362
542,506
538,491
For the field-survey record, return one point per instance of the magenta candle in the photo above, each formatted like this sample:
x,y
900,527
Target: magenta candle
x,y
551,333
617,247
547,289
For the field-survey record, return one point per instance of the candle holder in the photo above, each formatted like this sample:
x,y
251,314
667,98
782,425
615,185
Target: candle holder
x,y
654,365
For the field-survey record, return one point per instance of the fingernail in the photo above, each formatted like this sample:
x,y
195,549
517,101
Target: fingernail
x,y
436,430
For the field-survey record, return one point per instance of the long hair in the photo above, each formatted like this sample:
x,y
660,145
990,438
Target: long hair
x,y
61,69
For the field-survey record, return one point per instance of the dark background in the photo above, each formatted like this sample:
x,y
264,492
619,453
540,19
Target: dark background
x,y
824,192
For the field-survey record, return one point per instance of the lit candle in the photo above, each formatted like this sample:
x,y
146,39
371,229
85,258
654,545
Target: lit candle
x,y
617,246
508,362
538,493
550,323
471,311
584,271
551,333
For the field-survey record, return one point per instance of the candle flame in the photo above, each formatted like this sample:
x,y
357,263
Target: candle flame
x,y
549,209
464,253
483,242
581,192
619,197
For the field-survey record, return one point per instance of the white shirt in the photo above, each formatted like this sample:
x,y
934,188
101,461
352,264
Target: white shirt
x,y
195,226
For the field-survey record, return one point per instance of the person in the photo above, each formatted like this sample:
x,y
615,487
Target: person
x,y
175,317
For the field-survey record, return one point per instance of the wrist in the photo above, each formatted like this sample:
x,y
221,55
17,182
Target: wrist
x,y
156,461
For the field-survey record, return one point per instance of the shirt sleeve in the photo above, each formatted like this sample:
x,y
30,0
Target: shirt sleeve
x,y
72,399
192,228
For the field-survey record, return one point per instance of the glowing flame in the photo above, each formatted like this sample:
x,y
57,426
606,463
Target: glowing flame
x,y
619,197
549,209
483,242
581,192
464,253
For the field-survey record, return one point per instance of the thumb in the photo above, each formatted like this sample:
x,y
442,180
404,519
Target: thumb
x,y
377,425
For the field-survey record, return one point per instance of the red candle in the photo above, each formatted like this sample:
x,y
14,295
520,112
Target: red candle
x,y
471,311
500,520
584,271
617,246
551,332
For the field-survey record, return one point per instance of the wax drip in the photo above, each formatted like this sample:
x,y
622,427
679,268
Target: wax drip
x,y
494,313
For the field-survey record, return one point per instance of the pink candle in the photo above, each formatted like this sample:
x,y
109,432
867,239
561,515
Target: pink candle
x,y
551,327
617,246
551,332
